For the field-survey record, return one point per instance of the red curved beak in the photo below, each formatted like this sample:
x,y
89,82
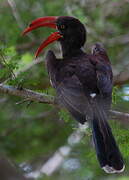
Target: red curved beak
x,y
48,21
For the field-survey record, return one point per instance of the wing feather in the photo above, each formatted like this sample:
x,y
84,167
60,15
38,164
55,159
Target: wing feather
x,y
71,95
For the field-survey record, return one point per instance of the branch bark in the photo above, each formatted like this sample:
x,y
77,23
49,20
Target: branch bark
x,y
27,94
124,117
44,98
121,78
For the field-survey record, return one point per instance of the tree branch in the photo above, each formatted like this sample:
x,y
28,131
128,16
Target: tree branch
x,y
120,115
43,98
122,39
121,78
27,94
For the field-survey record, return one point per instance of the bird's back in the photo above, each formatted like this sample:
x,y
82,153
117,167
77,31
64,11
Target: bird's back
x,y
80,66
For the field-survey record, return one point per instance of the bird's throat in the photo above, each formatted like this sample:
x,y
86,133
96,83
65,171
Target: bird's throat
x,y
70,51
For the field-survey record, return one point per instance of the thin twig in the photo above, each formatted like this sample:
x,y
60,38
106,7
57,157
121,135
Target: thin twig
x,y
17,17
29,66
22,101
6,64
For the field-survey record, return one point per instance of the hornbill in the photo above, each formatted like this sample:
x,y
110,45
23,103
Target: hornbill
x,y
83,83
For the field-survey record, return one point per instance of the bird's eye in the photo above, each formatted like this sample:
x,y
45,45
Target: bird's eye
x,y
62,26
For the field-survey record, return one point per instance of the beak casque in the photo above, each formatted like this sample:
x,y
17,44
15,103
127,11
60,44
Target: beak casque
x,y
48,21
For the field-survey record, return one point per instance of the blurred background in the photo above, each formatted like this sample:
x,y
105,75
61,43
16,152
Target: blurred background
x,y
36,135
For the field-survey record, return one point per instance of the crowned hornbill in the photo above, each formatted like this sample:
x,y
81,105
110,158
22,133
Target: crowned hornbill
x,y
83,83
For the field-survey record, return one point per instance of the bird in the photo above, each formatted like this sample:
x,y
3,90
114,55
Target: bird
x,y
83,83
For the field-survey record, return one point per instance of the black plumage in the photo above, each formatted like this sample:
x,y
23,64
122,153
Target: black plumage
x,y
83,83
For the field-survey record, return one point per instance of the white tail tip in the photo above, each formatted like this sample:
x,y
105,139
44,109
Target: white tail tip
x,y
111,170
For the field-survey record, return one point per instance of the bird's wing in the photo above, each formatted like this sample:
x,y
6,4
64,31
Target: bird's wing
x,y
104,83
104,77
71,95
70,91
51,63
103,69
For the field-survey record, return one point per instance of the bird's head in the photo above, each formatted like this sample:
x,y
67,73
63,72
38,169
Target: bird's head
x,y
70,31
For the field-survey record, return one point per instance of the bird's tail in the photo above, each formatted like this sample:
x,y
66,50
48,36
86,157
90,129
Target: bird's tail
x,y
107,151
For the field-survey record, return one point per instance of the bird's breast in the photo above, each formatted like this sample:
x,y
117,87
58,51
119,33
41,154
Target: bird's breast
x,y
65,71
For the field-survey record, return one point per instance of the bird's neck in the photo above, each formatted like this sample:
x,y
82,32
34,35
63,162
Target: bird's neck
x,y
70,51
